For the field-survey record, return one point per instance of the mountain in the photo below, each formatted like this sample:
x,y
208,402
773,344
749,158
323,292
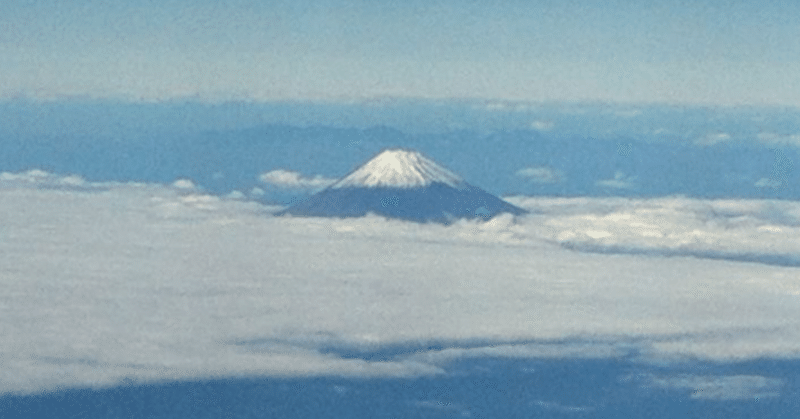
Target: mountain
x,y
403,184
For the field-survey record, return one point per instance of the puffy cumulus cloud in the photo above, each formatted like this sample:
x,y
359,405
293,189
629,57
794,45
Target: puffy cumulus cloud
x,y
40,178
724,387
154,283
542,125
31,176
294,180
183,184
541,174
620,181
755,230
713,139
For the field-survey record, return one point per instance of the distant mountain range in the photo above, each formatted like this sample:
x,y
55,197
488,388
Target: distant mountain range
x,y
511,148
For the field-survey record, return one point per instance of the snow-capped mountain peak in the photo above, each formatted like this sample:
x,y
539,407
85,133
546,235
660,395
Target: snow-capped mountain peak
x,y
399,169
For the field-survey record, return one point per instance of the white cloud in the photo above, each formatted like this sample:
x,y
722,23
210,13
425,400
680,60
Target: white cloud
x,y
541,174
44,179
183,184
154,283
713,138
294,180
584,349
236,195
768,183
730,387
256,192
540,125
31,176
620,181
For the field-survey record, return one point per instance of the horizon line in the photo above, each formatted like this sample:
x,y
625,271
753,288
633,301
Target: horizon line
x,y
373,99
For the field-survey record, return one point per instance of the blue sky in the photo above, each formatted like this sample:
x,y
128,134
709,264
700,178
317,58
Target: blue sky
x,y
708,52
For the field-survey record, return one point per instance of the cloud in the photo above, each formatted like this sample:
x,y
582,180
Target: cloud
x,y
779,139
183,184
542,125
40,178
713,139
166,284
509,106
294,180
31,176
781,169
620,181
768,183
236,195
561,408
541,174
555,350
730,387
496,106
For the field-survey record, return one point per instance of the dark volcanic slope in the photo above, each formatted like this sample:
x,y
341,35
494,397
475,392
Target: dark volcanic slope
x,y
436,202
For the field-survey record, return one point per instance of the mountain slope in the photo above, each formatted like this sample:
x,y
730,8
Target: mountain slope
x,y
403,184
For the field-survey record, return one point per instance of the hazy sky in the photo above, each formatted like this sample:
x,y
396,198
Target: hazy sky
x,y
706,51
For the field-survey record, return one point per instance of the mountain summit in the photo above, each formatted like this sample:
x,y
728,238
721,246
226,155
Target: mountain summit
x,y
399,169
403,184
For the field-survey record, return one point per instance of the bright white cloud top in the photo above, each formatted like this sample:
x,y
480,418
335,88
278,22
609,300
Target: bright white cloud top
x,y
114,281
294,180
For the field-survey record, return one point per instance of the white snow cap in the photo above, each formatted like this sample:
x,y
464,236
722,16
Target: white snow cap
x,y
399,168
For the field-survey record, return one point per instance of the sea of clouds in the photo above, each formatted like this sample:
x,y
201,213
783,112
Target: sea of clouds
x,y
103,283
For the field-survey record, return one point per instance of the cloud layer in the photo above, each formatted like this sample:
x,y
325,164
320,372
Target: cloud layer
x,y
154,282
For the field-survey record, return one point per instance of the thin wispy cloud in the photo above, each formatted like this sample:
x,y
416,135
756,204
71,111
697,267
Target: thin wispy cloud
x,y
43,179
713,139
184,184
294,180
768,183
541,174
730,387
620,181
629,113
782,168
543,125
